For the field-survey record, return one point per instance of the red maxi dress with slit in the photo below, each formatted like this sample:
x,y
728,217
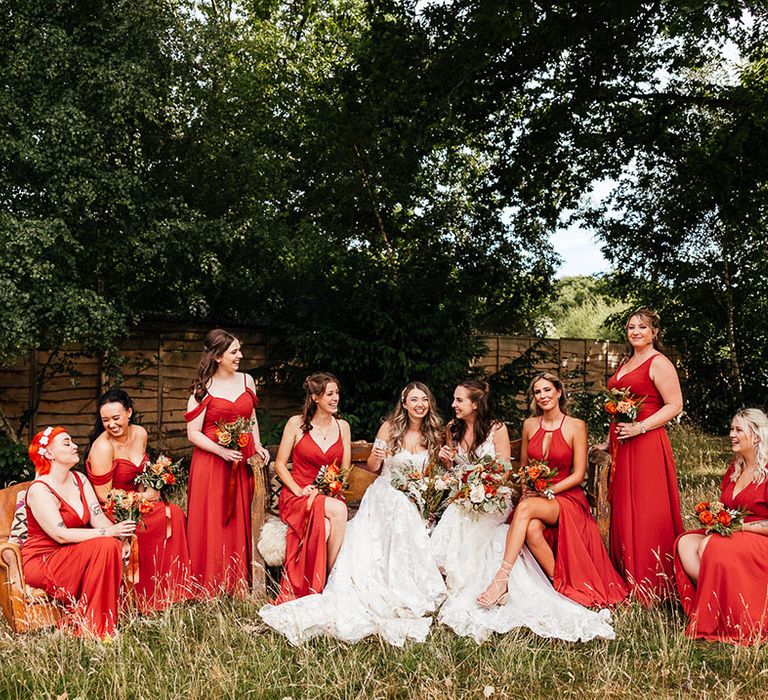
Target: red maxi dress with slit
x,y
730,601
645,501
583,569
164,564
305,569
83,575
219,544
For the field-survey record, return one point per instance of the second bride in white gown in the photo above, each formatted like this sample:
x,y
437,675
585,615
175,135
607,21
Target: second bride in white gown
x,y
468,549
385,581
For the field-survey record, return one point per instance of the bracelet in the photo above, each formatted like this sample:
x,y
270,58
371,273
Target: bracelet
x,y
643,429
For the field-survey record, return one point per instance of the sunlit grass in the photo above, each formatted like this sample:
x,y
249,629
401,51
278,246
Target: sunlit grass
x,y
220,649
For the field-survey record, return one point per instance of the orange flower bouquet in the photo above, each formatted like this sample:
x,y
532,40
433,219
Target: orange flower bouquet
x,y
332,480
536,476
126,505
716,518
621,405
483,487
235,434
158,475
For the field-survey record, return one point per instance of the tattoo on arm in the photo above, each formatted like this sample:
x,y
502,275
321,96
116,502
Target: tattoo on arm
x,y
96,509
61,525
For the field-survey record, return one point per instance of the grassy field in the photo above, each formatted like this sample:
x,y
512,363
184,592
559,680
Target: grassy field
x,y
222,650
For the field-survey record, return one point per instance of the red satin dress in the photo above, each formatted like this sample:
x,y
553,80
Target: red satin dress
x,y
730,601
85,575
583,569
645,502
220,547
164,564
306,562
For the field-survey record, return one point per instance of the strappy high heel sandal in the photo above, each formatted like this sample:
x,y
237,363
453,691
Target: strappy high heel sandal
x,y
498,586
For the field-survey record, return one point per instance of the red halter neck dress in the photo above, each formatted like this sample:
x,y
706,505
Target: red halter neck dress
x,y
583,569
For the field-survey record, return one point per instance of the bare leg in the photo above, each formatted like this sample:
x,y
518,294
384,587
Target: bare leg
x,y
537,508
689,549
540,548
336,515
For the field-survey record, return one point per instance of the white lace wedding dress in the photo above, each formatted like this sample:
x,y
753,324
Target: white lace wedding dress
x,y
384,582
469,551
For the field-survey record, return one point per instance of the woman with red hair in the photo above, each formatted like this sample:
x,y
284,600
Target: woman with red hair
x,y
72,551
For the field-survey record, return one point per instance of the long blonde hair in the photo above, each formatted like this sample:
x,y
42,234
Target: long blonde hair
x,y
431,426
753,422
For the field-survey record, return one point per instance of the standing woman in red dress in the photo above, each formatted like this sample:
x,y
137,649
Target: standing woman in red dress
x,y
645,502
72,551
220,483
723,581
560,532
117,456
315,522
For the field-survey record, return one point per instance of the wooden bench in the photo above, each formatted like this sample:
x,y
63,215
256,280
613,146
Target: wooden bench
x,y
595,486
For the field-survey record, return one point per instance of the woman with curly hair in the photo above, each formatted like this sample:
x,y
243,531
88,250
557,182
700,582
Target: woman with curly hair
x,y
385,581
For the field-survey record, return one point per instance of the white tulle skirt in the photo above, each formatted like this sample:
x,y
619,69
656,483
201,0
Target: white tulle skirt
x,y
469,551
385,581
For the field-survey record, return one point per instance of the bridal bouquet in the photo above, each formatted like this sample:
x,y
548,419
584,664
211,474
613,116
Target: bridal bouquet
x,y
159,474
126,505
621,405
536,476
234,435
482,487
716,518
333,480
428,489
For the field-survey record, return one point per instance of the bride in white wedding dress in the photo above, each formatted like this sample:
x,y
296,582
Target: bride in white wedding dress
x,y
385,581
469,549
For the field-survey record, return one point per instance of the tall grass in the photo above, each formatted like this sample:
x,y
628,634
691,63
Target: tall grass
x,y
220,649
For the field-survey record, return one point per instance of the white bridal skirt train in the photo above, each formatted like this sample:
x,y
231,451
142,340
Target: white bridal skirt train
x,y
384,582
470,551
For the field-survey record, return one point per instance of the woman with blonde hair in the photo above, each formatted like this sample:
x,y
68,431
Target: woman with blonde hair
x,y
722,580
385,581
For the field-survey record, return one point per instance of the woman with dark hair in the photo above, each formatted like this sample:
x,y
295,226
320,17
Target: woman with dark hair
x,y
560,532
467,547
645,502
72,551
116,457
316,522
220,484
385,581
722,580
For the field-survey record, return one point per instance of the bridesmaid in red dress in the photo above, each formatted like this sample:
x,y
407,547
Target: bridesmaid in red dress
x,y
117,455
220,482
560,533
645,502
315,522
72,551
723,581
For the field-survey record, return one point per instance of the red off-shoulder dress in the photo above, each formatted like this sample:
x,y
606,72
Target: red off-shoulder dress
x,y
305,569
645,501
84,575
164,563
730,601
220,548
583,569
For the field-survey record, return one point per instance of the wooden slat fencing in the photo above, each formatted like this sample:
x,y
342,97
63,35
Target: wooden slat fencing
x,y
158,363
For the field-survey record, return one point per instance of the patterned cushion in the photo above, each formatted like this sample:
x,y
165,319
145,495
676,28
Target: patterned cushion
x,y
18,534
273,494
